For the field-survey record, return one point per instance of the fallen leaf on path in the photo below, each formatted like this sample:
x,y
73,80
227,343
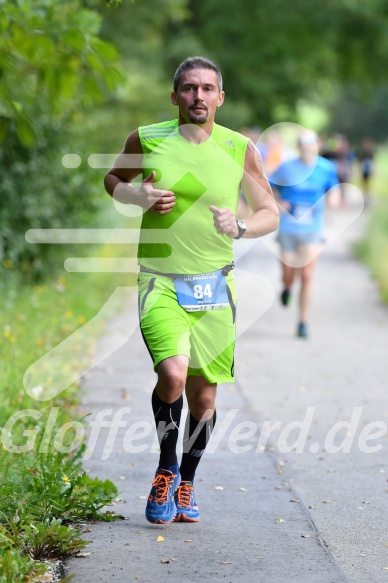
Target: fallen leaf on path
x,y
160,539
188,540
279,520
124,394
294,500
139,532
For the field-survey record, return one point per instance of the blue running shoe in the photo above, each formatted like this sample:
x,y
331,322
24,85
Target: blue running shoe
x,y
302,331
161,507
186,506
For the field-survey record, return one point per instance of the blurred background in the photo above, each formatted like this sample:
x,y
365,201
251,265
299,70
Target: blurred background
x,y
78,76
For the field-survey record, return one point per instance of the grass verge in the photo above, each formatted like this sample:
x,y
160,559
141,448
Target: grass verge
x,y
44,492
372,249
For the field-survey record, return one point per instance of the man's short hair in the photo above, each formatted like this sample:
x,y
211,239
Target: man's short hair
x,y
197,63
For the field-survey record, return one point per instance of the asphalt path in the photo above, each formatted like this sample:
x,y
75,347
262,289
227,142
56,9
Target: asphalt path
x,y
269,514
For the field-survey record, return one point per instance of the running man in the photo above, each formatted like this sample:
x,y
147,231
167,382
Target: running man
x,y
300,186
192,170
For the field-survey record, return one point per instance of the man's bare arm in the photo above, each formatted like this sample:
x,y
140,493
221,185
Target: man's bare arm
x,y
257,190
119,178
333,197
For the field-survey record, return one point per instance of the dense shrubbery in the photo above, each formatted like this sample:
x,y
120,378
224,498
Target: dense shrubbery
x,y
38,192
53,66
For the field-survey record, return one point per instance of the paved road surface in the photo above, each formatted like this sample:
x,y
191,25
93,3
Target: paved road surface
x,y
268,516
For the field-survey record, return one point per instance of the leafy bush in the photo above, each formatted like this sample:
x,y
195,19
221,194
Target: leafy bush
x,y
53,66
38,192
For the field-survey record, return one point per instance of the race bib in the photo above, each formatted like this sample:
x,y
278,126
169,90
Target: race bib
x,y
205,291
303,213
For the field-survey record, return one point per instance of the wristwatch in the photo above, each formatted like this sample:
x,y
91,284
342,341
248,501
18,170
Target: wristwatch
x,y
241,228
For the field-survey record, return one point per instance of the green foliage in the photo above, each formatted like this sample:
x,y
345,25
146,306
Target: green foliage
x,y
280,60
51,538
43,494
141,31
366,105
38,192
373,248
15,568
53,66
51,62
51,485
283,58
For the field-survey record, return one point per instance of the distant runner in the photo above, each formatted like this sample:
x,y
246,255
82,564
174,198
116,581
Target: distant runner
x,y
300,186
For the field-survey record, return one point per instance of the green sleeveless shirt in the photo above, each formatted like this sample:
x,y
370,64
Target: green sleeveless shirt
x,y
200,175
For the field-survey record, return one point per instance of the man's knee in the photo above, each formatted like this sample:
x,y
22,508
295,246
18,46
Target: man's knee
x,y
171,379
202,407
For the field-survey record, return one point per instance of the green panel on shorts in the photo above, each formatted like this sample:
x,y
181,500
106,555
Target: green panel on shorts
x,y
207,338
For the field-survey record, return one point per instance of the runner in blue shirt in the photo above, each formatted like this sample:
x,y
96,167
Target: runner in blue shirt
x,y
300,186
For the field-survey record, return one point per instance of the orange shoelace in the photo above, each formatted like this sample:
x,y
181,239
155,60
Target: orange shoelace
x,y
184,495
162,484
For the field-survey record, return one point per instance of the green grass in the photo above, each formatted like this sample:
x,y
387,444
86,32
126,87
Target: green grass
x,y
44,491
373,247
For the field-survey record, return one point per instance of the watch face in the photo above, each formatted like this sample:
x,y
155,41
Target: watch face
x,y
241,228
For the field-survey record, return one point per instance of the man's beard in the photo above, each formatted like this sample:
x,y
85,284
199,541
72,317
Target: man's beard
x,y
198,118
